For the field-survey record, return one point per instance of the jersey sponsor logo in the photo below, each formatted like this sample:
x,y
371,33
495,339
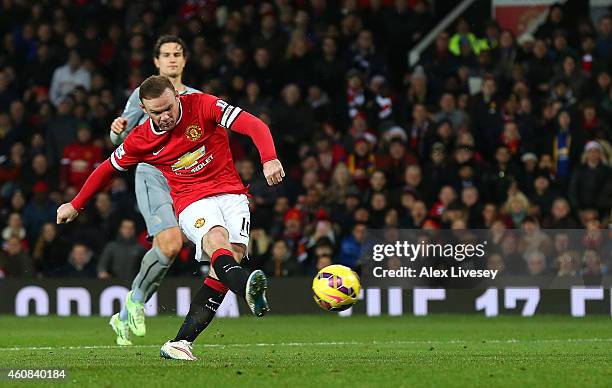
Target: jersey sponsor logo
x,y
199,223
119,152
191,161
193,132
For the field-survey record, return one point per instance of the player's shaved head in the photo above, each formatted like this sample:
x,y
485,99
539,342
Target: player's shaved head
x,y
155,86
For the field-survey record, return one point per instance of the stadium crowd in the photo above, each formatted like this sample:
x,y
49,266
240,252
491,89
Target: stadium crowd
x,y
486,132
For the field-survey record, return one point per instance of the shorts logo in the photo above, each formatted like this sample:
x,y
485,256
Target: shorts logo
x,y
199,223
193,132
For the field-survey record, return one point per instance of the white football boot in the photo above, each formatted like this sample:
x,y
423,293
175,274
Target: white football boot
x,y
177,350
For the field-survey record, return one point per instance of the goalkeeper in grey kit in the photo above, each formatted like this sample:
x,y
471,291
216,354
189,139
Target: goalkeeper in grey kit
x,y
153,197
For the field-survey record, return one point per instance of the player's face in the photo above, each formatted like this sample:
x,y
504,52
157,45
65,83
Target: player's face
x,y
171,60
163,110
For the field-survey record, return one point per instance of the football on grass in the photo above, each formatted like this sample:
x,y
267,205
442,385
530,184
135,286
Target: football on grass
x,y
336,288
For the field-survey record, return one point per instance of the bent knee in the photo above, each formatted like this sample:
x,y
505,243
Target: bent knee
x,y
216,238
169,242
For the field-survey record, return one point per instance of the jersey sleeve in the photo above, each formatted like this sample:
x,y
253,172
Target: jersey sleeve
x,y
220,111
126,155
234,118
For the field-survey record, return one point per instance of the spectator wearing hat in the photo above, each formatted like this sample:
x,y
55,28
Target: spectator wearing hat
x,y
591,182
528,172
292,232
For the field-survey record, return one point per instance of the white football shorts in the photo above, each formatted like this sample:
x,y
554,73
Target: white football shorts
x,y
230,211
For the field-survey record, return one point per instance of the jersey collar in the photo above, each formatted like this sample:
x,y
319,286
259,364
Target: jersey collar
x,y
159,133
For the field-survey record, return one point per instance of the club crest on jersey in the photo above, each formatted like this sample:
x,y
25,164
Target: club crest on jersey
x,y
191,161
193,132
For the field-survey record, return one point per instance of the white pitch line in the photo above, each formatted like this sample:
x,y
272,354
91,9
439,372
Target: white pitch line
x,y
458,341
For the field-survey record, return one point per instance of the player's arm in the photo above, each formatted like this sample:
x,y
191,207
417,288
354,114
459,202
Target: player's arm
x,y
131,116
237,120
99,179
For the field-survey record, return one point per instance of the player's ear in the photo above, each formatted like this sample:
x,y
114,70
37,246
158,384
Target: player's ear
x,y
156,62
143,108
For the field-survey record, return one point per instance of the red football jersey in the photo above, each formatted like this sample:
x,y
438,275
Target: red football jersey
x,y
194,157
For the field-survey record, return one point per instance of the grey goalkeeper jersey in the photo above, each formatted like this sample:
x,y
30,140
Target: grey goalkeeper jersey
x,y
134,114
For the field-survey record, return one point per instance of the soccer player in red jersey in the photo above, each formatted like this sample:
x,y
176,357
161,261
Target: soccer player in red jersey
x,y
186,140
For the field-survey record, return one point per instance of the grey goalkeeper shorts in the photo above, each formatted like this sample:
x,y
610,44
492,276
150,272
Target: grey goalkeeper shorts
x,y
154,201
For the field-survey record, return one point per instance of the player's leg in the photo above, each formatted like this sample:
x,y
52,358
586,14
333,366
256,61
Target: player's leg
x,y
205,304
155,204
205,222
252,286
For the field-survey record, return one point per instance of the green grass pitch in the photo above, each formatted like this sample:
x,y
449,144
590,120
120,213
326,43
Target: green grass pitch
x,y
324,350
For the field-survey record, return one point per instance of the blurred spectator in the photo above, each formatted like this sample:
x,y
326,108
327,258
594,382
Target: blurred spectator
x,y
281,262
591,184
80,263
66,78
350,247
14,228
14,261
50,251
39,211
79,159
567,264
120,259
536,263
